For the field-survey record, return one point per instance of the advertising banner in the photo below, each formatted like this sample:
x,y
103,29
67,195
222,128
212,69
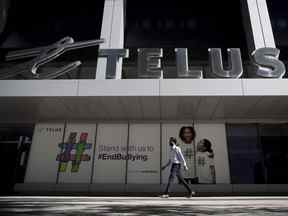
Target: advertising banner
x,y
212,154
204,149
42,164
111,151
144,154
185,136
76,153
133,153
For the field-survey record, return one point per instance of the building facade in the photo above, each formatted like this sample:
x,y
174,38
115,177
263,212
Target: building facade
x,y
161,69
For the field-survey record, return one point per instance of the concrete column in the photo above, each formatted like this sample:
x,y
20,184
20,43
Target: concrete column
x,y
113,32
258,25
258,29
267,30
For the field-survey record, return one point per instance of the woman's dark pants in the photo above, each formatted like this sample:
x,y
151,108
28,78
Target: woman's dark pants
x,y
176,171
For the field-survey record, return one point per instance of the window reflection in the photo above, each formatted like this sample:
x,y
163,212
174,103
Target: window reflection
x,y
245,155
279,21
258,153
275,150
35,23
173,24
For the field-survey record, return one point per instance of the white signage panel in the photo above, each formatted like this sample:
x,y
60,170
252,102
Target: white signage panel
x,y
185,139
42,164
111,151
75,159
144,154
211,145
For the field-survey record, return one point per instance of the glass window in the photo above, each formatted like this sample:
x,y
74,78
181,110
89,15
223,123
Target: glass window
x,y
198,26
258,153
246,164
273,140
279,19
35,23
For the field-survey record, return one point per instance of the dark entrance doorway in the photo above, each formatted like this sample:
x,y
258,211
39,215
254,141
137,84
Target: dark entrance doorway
x,y
15,142
258,153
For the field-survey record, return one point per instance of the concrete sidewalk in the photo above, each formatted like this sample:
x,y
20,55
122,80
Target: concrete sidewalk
x,y
139,206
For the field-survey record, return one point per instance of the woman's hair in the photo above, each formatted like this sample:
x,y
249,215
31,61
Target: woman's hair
x,y
181,132
172,141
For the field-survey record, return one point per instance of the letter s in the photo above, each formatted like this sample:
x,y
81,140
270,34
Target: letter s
x,y
268,63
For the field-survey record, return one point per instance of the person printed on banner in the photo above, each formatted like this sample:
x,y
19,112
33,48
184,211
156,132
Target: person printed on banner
x,y
187,136
205,162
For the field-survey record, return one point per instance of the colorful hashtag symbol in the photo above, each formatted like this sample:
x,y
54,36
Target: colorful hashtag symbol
x,y
79,147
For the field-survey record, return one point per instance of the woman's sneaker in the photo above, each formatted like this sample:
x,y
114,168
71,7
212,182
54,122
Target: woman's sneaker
x,y
164,196
192,194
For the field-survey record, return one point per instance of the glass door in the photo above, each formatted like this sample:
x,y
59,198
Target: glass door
x,y
15,145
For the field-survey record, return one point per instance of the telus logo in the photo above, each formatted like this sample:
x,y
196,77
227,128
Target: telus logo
x,y
266,61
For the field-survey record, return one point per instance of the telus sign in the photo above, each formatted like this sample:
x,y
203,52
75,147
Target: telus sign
x,y
266,61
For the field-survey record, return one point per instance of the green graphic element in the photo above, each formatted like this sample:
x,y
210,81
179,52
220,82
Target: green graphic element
x,y
66,152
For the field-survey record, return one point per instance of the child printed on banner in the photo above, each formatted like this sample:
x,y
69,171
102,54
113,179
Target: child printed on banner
x,y
205,162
